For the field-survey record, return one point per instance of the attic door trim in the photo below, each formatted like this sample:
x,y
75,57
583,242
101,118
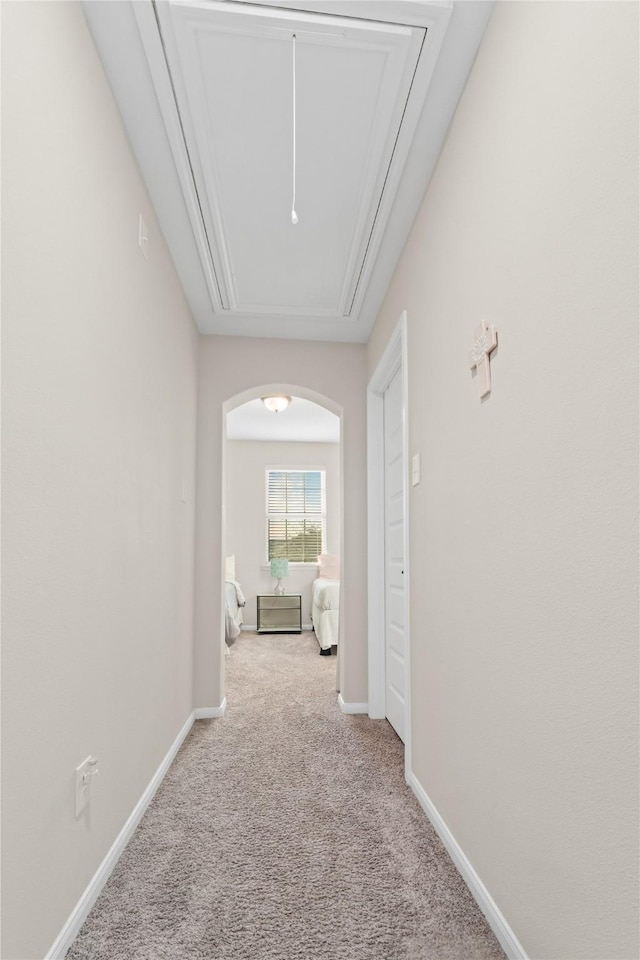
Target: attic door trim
x,y
433,16
183,26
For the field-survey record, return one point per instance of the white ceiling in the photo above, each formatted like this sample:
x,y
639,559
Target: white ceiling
x,y
303,420
205,91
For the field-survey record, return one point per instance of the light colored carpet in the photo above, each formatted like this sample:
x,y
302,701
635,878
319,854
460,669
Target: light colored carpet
x,y
285,831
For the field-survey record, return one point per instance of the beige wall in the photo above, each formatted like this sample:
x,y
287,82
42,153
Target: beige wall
x,y
247,463
99,404
230,366
524,529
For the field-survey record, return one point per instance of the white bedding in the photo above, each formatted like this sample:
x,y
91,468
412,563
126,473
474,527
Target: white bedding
x,y
234,602
325,603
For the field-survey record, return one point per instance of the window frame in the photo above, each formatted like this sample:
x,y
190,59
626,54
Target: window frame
x,y
321,517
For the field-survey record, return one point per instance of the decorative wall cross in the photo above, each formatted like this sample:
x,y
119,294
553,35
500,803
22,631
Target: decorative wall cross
x,y
486,341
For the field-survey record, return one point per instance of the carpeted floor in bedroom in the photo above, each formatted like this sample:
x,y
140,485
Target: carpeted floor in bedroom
x,y
285,831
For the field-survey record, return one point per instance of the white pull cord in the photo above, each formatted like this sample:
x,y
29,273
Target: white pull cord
x,y
294,215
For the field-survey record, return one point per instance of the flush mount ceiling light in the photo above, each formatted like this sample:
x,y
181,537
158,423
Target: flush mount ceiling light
x,y
276,404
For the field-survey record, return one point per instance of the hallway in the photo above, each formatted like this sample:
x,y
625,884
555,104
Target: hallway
x,y
146,291
285,830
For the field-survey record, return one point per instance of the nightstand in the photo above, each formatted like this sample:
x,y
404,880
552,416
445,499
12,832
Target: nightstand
x,y
280,614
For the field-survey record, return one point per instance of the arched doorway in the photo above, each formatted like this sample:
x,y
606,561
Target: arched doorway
x,y
247,399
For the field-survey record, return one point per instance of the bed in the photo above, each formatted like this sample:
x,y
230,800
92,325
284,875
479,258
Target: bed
x,y
234,602
325,602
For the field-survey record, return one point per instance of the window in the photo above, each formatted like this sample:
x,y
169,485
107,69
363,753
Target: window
x,y
296,514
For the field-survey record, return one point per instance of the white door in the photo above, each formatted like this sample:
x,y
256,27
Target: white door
x,y
394,555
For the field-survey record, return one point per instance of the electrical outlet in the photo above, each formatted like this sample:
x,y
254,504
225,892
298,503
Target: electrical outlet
x,y
85,775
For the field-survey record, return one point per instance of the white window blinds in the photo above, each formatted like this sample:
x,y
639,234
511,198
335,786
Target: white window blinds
x,y
296,514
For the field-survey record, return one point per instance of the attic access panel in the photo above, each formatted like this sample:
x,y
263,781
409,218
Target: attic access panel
x,y
231,67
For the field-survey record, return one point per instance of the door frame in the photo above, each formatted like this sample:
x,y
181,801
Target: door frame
x,y
393,359
254,393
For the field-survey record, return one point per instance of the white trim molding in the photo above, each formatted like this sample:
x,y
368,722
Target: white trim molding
x,y
80,912
352,707
208,713
393,359
375,550
494,916
171,43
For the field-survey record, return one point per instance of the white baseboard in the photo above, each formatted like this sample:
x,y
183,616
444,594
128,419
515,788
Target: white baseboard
x,y
206,713
496,920
352,707
253,627
80,912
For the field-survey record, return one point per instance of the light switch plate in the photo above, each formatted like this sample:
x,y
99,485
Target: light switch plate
x,y
415,470
143,238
